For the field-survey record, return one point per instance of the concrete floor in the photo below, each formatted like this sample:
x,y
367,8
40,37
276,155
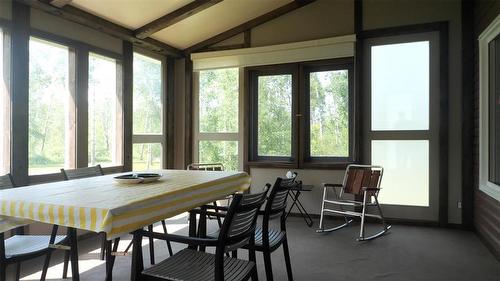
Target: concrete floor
x,y
406,253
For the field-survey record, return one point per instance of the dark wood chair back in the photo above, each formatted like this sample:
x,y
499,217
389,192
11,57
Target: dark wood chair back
x,y
206,167
80,173
239,226
359,176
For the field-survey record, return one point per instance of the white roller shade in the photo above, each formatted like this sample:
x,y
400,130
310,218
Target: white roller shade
x,y
328,48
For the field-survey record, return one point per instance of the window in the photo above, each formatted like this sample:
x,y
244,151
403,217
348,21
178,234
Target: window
x,y
494,111
274,117
217,138
148,114
104,131
4,106
301,113
489,110
50,141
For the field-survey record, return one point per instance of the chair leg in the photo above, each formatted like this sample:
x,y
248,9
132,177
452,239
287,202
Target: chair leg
x,y
45,266
268,266
287,259
255,275
235,254
66,263
103,246
151,246
3,271
169,246
18,272
362,228
322,209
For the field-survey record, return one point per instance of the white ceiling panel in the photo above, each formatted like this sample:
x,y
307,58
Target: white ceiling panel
x,y
214,20
131,14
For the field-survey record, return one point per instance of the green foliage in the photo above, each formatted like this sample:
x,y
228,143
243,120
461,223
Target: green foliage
x,y
219,100
329,107
146,156
147,95
225,152
102,110
218,107
48,99
275,115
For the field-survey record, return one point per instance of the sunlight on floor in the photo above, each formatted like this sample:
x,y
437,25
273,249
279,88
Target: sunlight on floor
x,y
90,260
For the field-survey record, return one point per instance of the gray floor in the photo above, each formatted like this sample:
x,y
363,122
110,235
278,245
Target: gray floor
x,y
406,253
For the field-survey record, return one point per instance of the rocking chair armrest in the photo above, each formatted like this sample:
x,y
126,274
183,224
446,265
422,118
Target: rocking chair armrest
x,y
365,188
332,185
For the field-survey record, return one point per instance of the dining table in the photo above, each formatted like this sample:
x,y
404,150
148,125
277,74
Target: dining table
x,y
103,205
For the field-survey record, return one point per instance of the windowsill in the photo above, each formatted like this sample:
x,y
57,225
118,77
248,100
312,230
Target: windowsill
x,y
291,165
54,177
491,190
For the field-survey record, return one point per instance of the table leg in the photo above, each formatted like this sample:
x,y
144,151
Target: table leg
x,y
192,228
137,260
110,258
202,231
74,254
303,212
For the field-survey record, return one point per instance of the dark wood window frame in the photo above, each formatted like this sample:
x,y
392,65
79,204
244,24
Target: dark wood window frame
x,y
494,111
300,151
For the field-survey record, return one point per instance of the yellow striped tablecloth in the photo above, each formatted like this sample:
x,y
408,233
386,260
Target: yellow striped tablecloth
x,y
100,204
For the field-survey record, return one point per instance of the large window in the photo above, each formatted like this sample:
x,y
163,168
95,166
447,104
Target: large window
x,y
217,138
104,131
148,114
494,111
489,110
49,96
300,114
4,106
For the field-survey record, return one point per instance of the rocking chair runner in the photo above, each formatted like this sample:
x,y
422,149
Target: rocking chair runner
x,y
359,180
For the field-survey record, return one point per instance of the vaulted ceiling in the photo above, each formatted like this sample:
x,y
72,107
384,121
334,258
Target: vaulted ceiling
x,y
190,21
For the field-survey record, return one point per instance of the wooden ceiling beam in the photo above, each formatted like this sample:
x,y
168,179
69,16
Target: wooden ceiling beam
x,y
174,17
79,16
278,12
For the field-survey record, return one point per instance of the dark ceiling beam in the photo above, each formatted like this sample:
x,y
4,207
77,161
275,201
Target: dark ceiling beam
x,y
174,17
79,16
278,12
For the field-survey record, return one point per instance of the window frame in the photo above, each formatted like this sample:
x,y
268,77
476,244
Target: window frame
x,y
300,157
160,138
199,136
488,35
78,66
6,119
117,151
327,65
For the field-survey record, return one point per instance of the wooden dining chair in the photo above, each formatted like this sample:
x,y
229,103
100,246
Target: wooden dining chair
x,y
209,167
360,181
191,265
268,239
20,247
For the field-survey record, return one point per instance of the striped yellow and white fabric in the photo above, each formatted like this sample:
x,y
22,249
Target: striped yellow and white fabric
x,y
100,204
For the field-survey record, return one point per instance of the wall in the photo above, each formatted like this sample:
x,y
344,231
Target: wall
x,y
5,10
322,18
486,209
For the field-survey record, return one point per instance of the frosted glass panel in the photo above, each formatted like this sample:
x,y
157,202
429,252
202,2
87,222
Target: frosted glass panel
x,y
400,86
406,171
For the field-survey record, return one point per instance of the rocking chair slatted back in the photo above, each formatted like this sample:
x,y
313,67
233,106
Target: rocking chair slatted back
x,y
359,176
